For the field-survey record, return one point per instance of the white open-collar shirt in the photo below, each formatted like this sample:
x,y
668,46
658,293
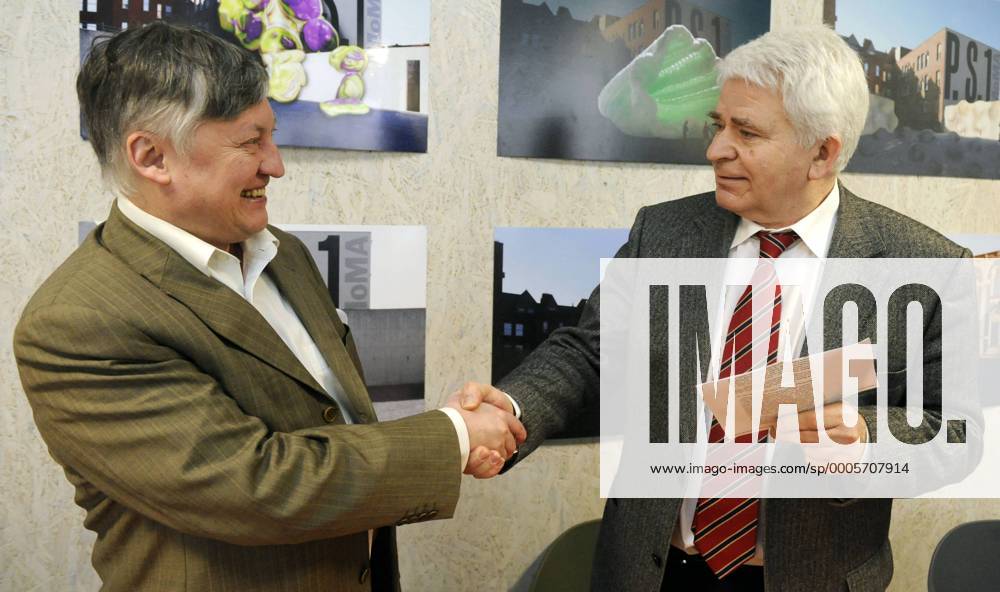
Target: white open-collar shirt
x,y
257,288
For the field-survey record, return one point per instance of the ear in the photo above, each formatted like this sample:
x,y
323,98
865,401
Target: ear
x,y
825,160
145,157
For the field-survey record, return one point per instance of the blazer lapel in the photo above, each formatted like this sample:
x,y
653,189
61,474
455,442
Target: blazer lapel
x,y
319,316
222,310
854,237
710,236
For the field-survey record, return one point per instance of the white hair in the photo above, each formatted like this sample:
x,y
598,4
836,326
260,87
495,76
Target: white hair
x,y
820,78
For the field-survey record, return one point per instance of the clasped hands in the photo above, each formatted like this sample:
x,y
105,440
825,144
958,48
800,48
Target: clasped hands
x,y
494,432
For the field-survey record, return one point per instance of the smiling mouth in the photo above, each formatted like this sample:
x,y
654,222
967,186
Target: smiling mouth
x,y
254,193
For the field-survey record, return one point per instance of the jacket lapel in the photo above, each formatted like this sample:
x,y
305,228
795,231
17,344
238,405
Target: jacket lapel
x,y
711,236
854,237
319,316
222,310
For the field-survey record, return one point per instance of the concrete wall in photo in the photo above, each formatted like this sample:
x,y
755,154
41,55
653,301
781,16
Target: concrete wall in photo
x,y
390,344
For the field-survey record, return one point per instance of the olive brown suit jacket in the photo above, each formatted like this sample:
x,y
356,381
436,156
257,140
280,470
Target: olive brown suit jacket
x,y
205,455
810,545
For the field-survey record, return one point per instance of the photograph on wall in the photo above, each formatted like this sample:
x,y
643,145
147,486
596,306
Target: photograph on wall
x,y
618,80
347,74
542,278
377,277
934,83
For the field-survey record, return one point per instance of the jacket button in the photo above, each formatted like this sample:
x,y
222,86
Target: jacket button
x,y
330,414
657,561
363,576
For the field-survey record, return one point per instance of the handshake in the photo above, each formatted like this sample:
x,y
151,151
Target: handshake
x,y
494,431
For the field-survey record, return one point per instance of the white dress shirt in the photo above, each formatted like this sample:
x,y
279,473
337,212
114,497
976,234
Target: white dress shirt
x,y
257,288
815,232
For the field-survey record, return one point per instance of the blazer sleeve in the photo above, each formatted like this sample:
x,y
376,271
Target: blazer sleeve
x,y
158,434
562,376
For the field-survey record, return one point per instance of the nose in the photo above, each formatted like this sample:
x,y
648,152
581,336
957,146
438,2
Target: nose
x,y
721,147
272,165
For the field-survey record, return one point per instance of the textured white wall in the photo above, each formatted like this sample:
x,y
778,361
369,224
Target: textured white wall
x,y
460,190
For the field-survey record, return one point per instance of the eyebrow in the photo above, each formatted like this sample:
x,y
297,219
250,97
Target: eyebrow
x,y
743,122
740,121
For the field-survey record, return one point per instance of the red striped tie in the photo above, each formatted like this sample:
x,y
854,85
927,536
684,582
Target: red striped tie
x,y
725,529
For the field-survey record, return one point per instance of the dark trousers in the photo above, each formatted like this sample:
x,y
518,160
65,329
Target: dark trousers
x,y
691,573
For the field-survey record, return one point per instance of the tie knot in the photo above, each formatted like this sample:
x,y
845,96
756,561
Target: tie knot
x,y
773,244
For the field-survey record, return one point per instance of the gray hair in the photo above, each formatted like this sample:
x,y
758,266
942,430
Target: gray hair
x,y
163,79
820,79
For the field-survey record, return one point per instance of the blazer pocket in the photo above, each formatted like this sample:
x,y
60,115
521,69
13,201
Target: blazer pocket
x,y
874,574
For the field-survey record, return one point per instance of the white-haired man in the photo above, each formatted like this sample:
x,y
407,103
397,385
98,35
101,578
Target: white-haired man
x,y
789,115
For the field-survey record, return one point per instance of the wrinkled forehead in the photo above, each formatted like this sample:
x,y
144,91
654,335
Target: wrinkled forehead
x,y
743,100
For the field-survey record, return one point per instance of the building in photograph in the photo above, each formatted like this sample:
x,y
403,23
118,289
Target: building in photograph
x,y
830,13
961,67
878,64
521,323
639,28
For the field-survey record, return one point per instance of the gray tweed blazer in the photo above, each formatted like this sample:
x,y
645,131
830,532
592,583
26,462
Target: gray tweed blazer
x,y
810,544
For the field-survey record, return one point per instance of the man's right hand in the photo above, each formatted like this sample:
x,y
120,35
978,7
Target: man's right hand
x,y
494,432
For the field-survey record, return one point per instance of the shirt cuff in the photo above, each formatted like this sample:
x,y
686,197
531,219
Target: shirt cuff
x,y
866,455
513,403
462,432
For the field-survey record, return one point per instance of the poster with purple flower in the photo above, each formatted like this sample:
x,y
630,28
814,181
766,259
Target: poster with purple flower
x,y
345,74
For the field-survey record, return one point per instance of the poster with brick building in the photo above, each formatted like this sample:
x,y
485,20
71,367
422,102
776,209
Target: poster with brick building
x,y
933,72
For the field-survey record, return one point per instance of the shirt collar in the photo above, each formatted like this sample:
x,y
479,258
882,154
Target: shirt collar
x,y
195,251
814,230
